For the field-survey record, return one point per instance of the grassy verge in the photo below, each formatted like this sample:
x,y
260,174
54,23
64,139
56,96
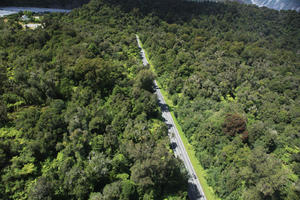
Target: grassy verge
x,y
201,173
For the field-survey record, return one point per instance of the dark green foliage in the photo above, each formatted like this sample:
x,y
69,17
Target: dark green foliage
x,y
44,3
144,80
233,72
42,189
78,117
3,113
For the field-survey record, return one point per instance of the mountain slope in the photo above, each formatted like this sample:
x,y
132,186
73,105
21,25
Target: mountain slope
x,y
276,4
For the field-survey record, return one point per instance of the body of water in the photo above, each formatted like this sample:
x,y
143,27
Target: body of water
x,y
12,10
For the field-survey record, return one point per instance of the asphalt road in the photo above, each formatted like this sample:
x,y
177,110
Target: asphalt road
x,y
195,190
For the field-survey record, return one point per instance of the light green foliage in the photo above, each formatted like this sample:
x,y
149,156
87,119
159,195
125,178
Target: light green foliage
x,y
223,60
79,119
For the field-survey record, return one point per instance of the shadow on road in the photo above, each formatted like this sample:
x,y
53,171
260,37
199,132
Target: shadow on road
x,y
194,191
164,107
169,125
173,145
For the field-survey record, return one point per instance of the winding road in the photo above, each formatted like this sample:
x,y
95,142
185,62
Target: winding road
x,y
195,190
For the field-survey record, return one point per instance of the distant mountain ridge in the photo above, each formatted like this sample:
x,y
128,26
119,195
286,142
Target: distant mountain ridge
x,y
276,4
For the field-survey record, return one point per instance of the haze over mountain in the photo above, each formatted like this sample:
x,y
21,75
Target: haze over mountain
x,y
274,4
277,4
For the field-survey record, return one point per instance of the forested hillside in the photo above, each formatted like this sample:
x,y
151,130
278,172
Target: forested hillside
x,y
78,119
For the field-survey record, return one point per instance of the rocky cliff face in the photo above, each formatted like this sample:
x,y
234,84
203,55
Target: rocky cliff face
x,y
276,4
66,4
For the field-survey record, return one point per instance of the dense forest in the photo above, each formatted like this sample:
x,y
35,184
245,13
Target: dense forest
x,y
79,120
44,3
233,73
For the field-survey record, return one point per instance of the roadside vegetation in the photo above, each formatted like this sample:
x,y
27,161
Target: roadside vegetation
x,y
232,72
201,173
